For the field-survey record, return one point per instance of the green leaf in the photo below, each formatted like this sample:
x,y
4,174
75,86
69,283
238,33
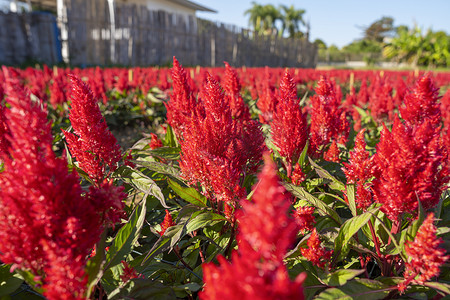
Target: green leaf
x,y
323,208
335,183
350,228
126,237
358,289
170,140
9,282
160,168
141,182
443,287
302,158
351,199
162,243
341,277
143,289
169,153
409,233
188,194
94,266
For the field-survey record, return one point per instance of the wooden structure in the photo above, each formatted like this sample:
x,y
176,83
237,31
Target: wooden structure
x,y
142,37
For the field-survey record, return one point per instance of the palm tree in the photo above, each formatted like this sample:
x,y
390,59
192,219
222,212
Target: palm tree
x,y
263,18
292,19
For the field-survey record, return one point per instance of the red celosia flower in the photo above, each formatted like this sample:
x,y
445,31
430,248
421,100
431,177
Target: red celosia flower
x,y
128,272
232,87
425,257
107,200
92,144
332,153
408,167
167,222
218,150
267,99
315,253
422,103
328,120
289,126
57,91
381,103
155,142
182,105
257,271
47,226
359,170
128,160
4,131
445,109
305,218
297,176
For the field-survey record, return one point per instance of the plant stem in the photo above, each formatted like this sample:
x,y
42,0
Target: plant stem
x,y
375,239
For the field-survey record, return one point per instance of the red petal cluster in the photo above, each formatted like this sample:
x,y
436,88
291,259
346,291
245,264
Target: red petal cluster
x,y
332,154
257,271
155,142
408,167
411,160
128,272
267,101
381,103
217,150
422,104
46,225
182,105
359,170
92,144
425,257
305,218
298,176
167,222
4,131
328,119
315,253
232,87
289,125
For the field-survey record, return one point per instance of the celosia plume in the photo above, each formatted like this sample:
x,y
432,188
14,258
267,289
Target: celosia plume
x,y
256,270
328,119
315,253
91,143
232,87
182,105
289,126
359,170
422,103
128,272
408,167
267,99
218,150
155,142
305,219
47,226
424,255
167,222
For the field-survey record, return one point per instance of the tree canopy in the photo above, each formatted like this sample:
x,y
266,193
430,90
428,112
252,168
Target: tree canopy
x,y
270,20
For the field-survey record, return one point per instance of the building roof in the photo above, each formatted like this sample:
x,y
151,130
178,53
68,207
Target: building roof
x,y
190,4
193,5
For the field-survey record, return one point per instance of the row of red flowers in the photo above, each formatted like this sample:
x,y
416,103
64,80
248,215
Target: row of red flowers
x,y
362,215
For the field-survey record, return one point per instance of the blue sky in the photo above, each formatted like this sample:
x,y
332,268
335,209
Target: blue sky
x,y
337,22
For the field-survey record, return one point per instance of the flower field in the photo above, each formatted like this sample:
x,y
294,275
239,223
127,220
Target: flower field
x,y
246,183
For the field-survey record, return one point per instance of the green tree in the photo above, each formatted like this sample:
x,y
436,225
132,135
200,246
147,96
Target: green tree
x,y
291,20
419,49
263,18
379,29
